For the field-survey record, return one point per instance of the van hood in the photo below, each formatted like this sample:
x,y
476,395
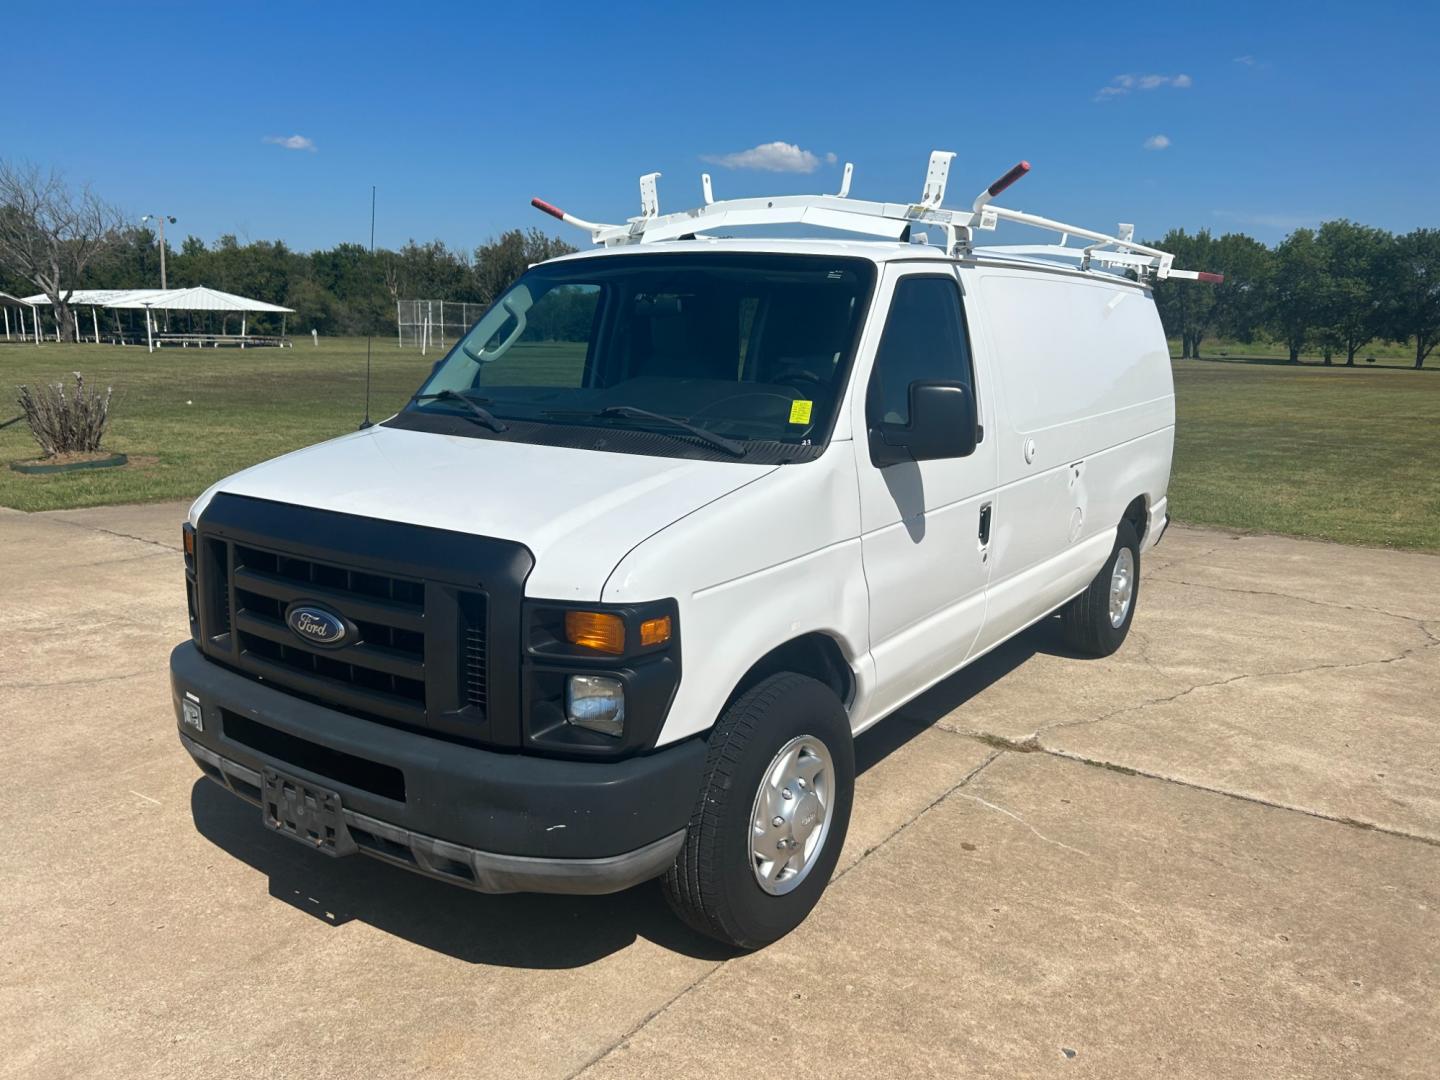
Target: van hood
x,y
578,511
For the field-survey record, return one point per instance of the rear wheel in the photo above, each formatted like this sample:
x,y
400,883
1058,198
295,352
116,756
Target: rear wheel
x,y
772,814
1097,620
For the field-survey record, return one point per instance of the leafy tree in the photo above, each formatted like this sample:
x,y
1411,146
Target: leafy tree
x,y
1242,299
133,263
427,270
1297,288
1415,303
502,260
1187,312
1236,308
1355,258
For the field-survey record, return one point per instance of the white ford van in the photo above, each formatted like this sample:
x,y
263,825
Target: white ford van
x,y
609,599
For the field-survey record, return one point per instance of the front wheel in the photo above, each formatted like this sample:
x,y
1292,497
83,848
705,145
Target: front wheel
x,y
1097,620
772,814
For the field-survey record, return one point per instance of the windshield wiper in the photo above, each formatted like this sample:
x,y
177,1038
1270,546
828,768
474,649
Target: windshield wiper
x,y
720,442
484,415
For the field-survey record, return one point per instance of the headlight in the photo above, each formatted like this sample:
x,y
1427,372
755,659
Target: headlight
x,y
596,702
598,679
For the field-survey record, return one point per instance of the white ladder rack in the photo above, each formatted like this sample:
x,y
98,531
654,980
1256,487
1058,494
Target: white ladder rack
x,y
892,221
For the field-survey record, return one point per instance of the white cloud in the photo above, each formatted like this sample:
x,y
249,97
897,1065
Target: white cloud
x,y
1247,60
291,142
1123,84
770,157
1157,142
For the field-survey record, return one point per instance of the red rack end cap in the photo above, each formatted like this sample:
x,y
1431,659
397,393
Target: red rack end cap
x,y
1205,275
1009,178
553,211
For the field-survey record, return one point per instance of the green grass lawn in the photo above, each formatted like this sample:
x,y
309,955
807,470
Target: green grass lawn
x,y
1348,454
188,417
1343,454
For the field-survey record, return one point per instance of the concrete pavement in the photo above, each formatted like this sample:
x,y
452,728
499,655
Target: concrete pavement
x,y
1215,854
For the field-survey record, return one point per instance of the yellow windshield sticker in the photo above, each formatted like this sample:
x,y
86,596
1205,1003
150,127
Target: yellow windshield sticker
x,y
800,411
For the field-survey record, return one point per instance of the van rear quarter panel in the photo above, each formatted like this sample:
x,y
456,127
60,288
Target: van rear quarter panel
x,y
1082,373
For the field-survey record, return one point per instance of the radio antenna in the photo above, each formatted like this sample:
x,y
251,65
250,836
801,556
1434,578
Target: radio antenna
x,y
369,337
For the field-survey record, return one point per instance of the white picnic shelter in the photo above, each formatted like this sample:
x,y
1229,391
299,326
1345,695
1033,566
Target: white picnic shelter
x,y
198,300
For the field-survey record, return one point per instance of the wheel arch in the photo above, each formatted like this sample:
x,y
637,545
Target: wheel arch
x,y
816,654
1138,514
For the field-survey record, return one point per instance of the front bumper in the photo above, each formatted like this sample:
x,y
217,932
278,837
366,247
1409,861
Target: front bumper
x,y
486,820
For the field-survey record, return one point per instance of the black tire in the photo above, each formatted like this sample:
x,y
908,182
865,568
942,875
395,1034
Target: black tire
x,y
712,886
1086,619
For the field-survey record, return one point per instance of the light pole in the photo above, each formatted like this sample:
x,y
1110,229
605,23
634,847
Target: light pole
x,y
160,220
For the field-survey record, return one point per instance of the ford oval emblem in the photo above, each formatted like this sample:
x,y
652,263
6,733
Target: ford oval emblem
x,y
315,624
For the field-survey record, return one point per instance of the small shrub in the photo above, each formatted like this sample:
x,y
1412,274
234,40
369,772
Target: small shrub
x,y
62,424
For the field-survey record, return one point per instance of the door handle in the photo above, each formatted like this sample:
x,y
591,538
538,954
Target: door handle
x,y
985,525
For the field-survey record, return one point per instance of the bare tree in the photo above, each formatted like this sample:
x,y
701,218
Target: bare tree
x,y
50,233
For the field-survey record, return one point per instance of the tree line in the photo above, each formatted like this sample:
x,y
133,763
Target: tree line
x,y
1331,290
55,239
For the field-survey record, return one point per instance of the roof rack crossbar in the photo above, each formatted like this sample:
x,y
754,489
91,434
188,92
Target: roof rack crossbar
x,y
882,219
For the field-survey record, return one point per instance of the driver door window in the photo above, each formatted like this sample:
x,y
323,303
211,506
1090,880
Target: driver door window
x,y
924,340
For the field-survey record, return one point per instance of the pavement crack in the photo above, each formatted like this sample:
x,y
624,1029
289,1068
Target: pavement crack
x,y
1404,654
1183,559
653,1014
87,680
171,548
1335,819
1021,820
1142,650
660,1010
1286,596
953,789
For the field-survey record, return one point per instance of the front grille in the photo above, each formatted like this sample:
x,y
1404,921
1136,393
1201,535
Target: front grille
x,y
388,659
425,610
220,560
381,674
475,668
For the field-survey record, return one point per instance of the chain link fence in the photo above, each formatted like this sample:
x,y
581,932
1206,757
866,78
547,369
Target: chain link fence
x,y
433,324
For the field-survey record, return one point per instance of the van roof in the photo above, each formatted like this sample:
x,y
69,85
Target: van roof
x,y
873,250
876,251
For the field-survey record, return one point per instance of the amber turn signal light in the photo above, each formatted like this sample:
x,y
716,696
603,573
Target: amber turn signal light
x,y
655,631
188,535
596,630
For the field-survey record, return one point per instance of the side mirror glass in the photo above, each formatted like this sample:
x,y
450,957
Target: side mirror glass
x,y
944,423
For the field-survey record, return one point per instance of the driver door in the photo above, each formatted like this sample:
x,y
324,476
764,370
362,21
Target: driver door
x,y
924,525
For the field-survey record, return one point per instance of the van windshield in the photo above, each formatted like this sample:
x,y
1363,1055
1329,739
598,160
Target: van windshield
x,y
752,348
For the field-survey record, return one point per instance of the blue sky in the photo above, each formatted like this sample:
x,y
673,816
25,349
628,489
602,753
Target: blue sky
x,y
1254,117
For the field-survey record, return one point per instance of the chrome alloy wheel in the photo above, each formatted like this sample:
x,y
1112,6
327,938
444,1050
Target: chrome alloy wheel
x,y
1122,587
791,815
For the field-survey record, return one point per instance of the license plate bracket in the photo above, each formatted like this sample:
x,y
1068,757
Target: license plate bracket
x,y
304,812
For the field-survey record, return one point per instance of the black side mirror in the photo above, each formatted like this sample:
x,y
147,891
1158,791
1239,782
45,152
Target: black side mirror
x,y
943,424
